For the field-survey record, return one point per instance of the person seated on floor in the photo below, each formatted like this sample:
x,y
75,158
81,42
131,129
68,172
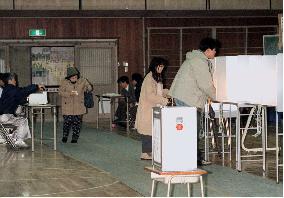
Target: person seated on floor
x,y
137,81
126,90
12,97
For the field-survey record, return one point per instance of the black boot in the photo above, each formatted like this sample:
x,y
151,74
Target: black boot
x,y
64,139
73,141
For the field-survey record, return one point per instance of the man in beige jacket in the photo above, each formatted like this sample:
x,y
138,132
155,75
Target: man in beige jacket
x,y
193,84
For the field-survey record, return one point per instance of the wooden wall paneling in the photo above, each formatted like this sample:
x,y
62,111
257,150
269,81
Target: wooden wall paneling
x,y
7,28
136,40
192,37
129,33
22,27
211,21
255,38
233,40
166,43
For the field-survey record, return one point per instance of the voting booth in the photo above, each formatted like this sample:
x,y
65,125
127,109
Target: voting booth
x,y
251,79
174,138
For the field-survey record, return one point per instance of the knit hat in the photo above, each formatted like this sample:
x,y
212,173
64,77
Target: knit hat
x,y
72,71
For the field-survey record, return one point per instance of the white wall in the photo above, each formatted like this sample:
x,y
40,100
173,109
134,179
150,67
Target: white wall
x,y
139,4
46,5
176,4
239,4
113,4
6,5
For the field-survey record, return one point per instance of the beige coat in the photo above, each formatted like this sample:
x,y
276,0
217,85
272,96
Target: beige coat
x,y
193,83
148,100
73,104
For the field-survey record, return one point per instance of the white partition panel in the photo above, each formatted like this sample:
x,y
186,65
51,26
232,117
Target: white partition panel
x,y
219,78
251,79
267,80
279,62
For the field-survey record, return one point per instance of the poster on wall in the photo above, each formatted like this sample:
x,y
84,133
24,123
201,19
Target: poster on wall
x,y
49,64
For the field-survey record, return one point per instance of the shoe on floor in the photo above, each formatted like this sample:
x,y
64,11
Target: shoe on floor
x,y
145,156
21,144
204,163
2,141
74,141
64,139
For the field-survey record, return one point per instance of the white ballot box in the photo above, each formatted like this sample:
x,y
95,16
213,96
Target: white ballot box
x,y
174,138
38,98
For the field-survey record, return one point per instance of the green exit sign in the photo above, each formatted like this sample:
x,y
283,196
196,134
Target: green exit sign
x,y
37,32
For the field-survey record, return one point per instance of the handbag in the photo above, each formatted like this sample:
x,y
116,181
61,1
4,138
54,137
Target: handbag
x,y
88,99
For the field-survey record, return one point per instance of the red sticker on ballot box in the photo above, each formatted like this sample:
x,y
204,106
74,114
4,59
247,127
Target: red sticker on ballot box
x,y
179,127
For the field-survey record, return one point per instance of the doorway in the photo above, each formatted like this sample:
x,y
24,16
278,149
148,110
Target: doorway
x,y
95,58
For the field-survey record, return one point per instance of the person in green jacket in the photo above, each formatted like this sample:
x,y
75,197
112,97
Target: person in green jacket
x,y
193,84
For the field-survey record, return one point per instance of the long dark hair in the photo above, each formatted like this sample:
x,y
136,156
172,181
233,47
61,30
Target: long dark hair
x,y
138,78
155,62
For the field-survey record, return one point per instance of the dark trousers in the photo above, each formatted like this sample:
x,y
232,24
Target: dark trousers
x,y
199,153
146,144
74,122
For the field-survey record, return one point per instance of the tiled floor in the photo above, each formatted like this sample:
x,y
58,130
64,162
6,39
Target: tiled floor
x,y
254,167
49,173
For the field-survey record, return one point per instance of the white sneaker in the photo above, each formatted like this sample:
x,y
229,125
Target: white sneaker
x,y
21,144
204,163
2,141
145,156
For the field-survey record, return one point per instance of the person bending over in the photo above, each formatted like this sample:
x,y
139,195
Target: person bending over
x,y
193,84
127,91
12,97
